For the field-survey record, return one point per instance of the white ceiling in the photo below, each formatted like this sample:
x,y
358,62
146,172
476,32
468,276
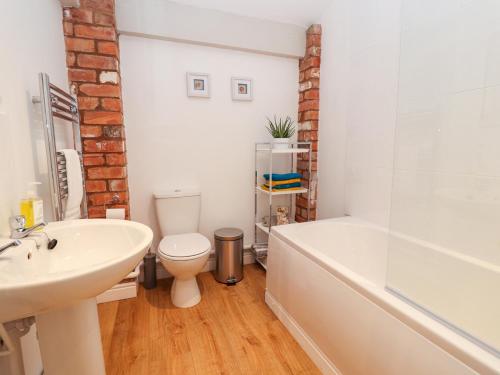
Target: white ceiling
x,y
298,12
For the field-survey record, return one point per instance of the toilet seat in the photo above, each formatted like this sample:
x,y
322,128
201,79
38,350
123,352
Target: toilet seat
x,y
184,246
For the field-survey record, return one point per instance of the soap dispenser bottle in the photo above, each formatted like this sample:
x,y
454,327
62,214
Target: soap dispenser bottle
x,y
31,206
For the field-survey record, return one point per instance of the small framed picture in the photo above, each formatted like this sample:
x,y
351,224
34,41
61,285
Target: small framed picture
x,y
198,85
241,88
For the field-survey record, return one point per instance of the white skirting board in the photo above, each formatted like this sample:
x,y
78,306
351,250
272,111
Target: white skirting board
x,y
305,342
129,290
123,290
119,291
161,273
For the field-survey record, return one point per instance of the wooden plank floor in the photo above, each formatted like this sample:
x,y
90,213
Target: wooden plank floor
x,y
231,331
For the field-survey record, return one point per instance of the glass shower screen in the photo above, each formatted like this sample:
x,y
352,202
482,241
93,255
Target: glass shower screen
x,y
444,248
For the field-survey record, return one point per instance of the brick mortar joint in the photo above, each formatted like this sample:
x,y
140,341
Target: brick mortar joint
x,y
79,23
92,39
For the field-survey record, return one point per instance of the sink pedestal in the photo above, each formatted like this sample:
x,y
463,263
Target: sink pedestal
x,y
70,340
56,287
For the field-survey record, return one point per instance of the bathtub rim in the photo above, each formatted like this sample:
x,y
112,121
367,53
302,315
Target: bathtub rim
x,y
451,342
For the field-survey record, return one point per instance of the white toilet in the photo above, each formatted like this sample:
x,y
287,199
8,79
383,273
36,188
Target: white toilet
x,y
182,251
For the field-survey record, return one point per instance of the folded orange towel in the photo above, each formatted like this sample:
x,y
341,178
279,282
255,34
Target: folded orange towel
x,y
283,182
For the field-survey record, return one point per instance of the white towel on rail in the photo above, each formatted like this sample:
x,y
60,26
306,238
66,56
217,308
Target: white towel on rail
x,y
75,184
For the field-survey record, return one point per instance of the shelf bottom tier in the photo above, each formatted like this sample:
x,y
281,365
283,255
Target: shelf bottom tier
x,y
262,261
265,228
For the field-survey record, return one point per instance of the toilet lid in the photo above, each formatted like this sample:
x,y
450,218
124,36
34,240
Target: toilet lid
x,y
184,245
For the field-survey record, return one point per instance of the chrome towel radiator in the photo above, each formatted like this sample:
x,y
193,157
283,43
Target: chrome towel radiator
x,y
56,102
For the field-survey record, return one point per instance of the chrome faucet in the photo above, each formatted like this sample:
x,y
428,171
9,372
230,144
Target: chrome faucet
x,y
10,244
18,227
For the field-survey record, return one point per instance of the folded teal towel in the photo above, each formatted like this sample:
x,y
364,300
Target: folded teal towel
x,y
283,176
285,186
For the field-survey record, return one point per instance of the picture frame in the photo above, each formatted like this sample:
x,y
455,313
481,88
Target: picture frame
x,y
198,85
242,88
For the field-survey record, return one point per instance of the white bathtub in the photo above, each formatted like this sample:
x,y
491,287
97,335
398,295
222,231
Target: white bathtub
x,y
325,282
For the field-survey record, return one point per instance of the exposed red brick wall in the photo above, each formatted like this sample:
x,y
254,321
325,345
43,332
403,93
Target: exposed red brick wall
x,y
309,74
93,63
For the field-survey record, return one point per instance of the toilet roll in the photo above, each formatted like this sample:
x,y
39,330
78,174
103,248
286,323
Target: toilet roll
x,y
115,213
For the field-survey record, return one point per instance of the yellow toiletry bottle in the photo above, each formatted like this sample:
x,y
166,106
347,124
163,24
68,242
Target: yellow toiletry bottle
x,y
31,206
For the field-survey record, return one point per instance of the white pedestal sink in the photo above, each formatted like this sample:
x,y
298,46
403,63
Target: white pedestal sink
x,y
59,287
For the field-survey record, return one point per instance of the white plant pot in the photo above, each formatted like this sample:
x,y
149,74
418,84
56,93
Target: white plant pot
x,y
281,143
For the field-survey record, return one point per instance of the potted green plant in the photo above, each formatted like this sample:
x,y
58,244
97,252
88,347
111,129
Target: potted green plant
x,y
281,131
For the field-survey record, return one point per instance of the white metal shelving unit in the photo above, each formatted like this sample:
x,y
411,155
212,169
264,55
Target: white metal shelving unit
x,y
259,248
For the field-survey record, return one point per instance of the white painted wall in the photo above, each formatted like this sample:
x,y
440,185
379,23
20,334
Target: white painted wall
x,y
32,41
445,164
447,161
172,21
175,140
445,121
335,77
359,77
297,12
34,46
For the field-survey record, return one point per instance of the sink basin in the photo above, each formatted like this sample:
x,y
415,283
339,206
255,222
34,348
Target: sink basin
x,y
59,286
91,256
